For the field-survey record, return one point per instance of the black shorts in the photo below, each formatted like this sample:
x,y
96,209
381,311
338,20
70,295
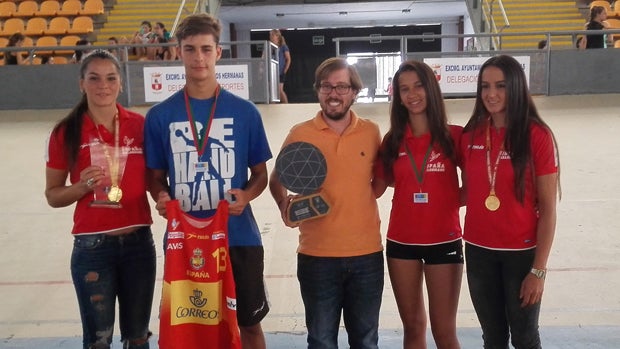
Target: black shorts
x,y
248,265
447,253
282,78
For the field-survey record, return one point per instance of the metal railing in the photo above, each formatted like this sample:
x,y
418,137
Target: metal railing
x,y
495,42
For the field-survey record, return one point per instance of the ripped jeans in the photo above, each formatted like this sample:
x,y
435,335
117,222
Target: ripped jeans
x,y
104,268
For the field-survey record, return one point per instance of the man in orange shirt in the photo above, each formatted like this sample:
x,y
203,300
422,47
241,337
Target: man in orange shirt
x,y
340,255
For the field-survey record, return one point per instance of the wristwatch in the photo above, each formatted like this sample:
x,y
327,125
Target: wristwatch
x,y
539,273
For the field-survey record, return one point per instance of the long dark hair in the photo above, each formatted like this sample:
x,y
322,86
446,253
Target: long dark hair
x,y
520,114
399,115
595,11
72,123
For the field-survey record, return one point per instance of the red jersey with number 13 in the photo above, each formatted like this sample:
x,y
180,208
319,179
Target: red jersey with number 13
x,y
199,305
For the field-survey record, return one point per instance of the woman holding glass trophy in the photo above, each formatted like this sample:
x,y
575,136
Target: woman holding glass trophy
x,y
99,147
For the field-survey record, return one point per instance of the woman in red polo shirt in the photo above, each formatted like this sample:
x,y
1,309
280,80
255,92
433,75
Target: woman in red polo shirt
x,y
424,235
99,147
511,168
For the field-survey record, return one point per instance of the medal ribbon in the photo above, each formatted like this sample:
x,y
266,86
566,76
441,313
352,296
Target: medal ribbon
x,y
113,162
200,138
492,174
419,174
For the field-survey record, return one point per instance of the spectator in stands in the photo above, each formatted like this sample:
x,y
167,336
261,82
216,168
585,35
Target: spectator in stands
x,y
284,60
598,17
15,58
79,53
117,52
162,36
172,50
542,44
581,43
144,35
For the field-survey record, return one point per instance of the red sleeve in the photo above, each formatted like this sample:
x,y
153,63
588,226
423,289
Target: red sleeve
x,y
544,153
379,169
456,132
55,153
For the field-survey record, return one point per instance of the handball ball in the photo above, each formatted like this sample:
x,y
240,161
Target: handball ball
x,y
301,168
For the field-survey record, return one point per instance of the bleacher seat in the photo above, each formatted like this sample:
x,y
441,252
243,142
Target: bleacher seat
x,y
92,8
67,40
36,26
614,23
70,8
60,60
7,9
48,8
58,26
26,8
617,8
45,41
82,25
35,61
606,5
3,43
12,26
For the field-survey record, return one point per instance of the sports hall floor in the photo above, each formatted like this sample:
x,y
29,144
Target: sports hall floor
x,y
581,305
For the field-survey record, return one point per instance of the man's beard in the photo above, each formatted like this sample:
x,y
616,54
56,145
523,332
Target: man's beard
x,y
335,116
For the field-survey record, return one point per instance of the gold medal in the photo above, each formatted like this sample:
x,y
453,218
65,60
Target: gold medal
x,y
491,202
115,194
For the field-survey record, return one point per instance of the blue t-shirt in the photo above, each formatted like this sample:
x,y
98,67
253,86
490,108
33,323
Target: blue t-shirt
x,y
236,142
281,59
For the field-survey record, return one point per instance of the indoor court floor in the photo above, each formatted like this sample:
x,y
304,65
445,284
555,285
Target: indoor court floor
x,y
581,304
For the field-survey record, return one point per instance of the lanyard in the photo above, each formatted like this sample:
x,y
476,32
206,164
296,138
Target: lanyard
x,y
419,174
492,174
200,138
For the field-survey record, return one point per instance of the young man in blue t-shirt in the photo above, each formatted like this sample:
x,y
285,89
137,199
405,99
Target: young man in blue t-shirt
x,y
199,145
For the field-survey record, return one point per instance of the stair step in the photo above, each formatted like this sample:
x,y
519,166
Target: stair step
x,y
550,16
538,16
551,22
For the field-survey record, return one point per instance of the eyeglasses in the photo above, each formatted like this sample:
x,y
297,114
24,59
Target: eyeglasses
x,y
340,89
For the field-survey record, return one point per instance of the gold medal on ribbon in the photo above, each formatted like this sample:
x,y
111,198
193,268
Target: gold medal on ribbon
x,y
115,194
492,202
109,194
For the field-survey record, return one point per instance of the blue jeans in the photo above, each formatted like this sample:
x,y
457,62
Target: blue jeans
x,y
105,268
494,278
352,286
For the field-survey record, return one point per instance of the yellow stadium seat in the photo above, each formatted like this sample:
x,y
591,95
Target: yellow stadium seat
x,y
36,26
70,8
48,8
58,26
26,8
82,25
45,41
35,61
60,60
92,8
12,26
617,8
68,40
605,4
3,43
7,9
614,23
